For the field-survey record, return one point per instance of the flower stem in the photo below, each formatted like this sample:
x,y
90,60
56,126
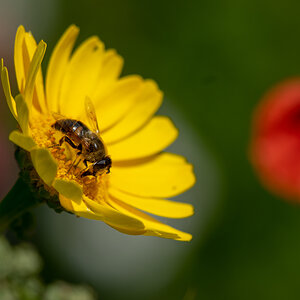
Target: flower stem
x,y
18,200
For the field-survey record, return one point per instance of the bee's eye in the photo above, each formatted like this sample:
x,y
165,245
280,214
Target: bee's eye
x,y
108,161
100,165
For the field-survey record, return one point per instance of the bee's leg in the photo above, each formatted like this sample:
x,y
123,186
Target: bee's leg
x,y
55,145
73,164
66,139
85,163
79,147
86,171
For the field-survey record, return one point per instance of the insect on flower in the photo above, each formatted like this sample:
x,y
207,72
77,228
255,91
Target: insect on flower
x,y
87,142
115,171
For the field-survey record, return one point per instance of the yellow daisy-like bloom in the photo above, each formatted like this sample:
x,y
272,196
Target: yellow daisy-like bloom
x,y
141,177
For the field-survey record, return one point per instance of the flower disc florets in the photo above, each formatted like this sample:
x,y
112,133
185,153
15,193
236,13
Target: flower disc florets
x,y
47,137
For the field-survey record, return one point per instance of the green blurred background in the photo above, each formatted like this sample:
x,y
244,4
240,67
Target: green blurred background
x,y
214,60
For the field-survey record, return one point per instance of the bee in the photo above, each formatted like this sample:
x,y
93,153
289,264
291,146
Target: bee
x,y
88,142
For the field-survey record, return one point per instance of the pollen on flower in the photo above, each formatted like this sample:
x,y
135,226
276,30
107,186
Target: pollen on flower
x,y
45,136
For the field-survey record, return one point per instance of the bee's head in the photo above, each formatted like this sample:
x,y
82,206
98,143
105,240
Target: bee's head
x,y
103,164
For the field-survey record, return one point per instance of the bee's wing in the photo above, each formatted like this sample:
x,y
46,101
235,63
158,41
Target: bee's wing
x,y
58,116
91,115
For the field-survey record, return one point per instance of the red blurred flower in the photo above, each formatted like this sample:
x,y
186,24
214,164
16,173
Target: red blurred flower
x,y
275,144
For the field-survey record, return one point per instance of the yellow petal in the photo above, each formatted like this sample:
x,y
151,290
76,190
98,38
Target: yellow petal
x,y
114,106
152,226
57,66
91,210
81,77
112,65
113,217
7,92
149,100
21,140
38,94
79,209
159,207
69,189
111,69
34,68
44,164
25,47
19,58
165,175
66,203
155,136
23,113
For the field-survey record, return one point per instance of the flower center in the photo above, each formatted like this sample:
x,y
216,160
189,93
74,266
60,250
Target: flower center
x,y
69,163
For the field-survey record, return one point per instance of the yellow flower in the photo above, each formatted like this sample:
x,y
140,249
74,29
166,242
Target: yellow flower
x,y
141,177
